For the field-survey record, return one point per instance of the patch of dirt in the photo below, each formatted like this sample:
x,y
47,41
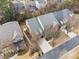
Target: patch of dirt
x,y
59,40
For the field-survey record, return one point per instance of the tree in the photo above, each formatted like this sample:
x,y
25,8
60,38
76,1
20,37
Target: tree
x,y
9,15
66,4
51,32
69,4
4,4
72,23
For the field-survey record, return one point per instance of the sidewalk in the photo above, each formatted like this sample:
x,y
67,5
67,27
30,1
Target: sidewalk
x,y
70,34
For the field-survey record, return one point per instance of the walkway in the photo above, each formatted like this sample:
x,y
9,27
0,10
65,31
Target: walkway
x,y
70,34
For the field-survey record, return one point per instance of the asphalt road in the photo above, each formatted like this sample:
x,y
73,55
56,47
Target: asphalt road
x,y
62,49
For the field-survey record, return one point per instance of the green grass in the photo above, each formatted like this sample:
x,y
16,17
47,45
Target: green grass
x,y
77,57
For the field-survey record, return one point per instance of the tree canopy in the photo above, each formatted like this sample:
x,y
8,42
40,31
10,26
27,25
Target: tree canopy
x,y
9,15
4,4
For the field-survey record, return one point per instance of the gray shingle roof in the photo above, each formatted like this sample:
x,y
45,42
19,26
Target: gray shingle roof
x,y
21,5
7,32
48,20
34,26
60,15
62,49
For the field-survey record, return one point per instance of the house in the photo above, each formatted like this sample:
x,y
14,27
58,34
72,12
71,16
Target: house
x,y
11,38
22,5
38,24
62,49
7,31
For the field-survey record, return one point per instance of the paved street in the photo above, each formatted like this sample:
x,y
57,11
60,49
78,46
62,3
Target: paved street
x,y
62,49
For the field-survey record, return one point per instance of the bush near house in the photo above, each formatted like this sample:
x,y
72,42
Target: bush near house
x,y
7,10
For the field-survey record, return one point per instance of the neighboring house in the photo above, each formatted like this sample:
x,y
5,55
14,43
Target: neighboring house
x,y
7,33
62,15
11,38
21,6
31,5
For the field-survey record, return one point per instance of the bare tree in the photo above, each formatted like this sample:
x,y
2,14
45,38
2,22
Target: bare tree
x,y
51,31
73,22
